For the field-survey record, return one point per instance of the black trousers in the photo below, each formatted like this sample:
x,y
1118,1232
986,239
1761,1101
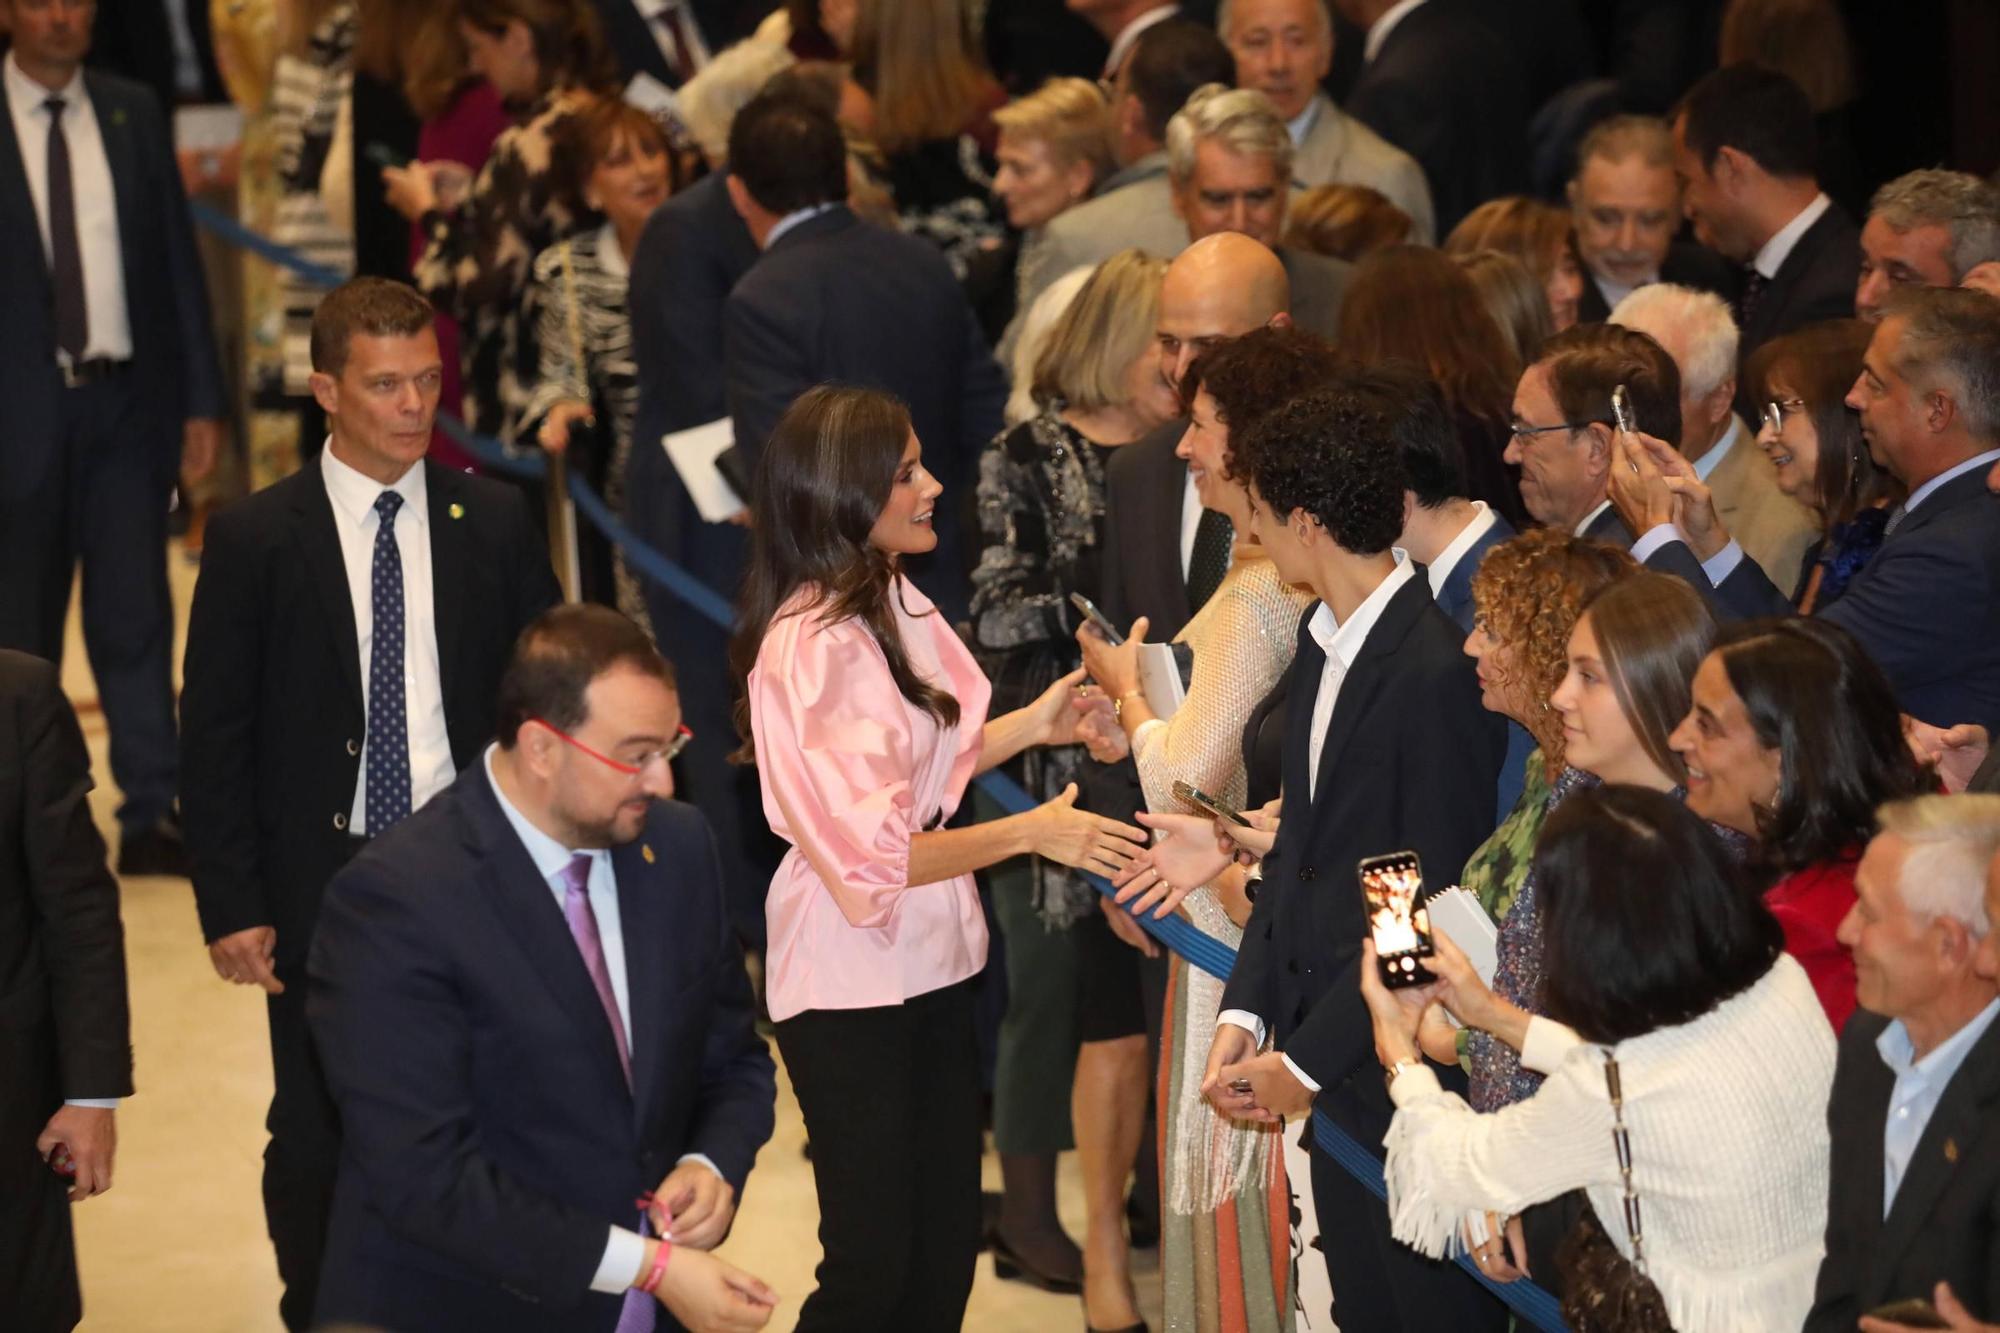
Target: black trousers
x,y
102,502
38,1281
891,1103
303,1156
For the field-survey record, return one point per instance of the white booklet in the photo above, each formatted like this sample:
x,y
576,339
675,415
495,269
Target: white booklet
x,y
1160,679
1457,913
693,453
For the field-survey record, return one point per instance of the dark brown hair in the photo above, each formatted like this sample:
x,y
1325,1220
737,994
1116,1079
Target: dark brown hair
x,y
1652,631
1412,303
590,135
1264,369
1820,363
557,657
821,483
569,45
377,307
1589,361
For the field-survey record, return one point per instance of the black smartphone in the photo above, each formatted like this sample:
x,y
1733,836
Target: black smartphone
x,y
1097,618
1392,891
382,155
1912,1313
1208,805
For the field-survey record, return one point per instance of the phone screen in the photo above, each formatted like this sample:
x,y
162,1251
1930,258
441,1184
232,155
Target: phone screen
x,y
1392,891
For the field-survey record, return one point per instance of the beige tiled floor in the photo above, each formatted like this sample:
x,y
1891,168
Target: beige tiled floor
x,y
178,1245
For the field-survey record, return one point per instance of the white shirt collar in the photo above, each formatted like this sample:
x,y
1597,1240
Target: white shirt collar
x,y
609,257
1128,36
1379,31
1708,462
1302,124
1344,641
1583,528
1440,568
791,220
1614,293
1923,492
550,857
28,95
353,495
1779,248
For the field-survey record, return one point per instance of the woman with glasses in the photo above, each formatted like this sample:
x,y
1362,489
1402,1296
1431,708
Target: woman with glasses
x,y
867,719
1813,440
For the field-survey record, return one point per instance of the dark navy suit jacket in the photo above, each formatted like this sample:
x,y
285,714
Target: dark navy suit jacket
x,y
1454,598
489,1137
1927,607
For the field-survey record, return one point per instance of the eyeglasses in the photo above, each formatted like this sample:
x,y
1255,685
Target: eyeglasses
x,y
666,754
1774,412
1524,432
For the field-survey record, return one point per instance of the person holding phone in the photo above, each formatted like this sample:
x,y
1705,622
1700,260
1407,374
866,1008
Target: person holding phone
x,y
867,719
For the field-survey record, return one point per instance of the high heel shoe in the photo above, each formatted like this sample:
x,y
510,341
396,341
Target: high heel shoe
x,y
1010,1266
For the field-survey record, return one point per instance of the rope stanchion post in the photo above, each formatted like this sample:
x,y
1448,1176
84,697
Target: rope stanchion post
x,y
1534,1305
562,529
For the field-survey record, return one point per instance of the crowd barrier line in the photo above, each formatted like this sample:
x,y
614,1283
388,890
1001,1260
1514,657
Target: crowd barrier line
x,y
1532,1303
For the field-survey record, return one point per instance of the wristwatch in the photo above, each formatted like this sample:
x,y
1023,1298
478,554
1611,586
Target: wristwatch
x,y
1390,1074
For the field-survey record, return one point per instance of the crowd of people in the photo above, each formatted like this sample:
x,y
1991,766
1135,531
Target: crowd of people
x,y
1279,434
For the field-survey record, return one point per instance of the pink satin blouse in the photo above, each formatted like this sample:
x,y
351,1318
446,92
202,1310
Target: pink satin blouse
x,y
850,770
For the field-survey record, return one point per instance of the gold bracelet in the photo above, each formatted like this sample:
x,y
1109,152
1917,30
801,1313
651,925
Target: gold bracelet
x,y
1118,704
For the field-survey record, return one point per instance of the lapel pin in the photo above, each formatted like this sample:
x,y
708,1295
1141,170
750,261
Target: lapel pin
x,y
1951,1150
457,510
646,850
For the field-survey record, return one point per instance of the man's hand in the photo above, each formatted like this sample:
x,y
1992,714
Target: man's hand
x,y
1956,1317
1275,1091
245,958
1694,509
201,445
90,1136
710,1296
1125,928
1635,485
1956,752
1232,1046
1255,842
693,1206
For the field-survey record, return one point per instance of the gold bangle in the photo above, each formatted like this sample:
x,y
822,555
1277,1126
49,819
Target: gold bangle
x,y
1118,704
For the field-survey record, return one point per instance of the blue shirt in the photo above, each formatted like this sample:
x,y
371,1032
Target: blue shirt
x,y
1919,1086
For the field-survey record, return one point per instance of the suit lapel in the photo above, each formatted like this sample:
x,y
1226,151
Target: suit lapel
x,y
1364,679
17,203
1962,1115
642,913
319,542
1966,486
448,572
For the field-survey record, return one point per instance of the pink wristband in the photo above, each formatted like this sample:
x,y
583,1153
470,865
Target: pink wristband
x,y
650,1283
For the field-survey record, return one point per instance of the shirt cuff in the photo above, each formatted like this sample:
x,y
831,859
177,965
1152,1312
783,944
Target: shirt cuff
x,y
624,1251
706,1161
1413,1085
1546,1045
1299,1073
1243,1018
1723,563
99,1103
1653,539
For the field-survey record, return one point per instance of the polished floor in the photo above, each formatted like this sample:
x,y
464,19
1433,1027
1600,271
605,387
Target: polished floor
x,y
178,1244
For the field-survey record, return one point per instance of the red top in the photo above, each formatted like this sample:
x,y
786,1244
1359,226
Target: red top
x,y
1809,904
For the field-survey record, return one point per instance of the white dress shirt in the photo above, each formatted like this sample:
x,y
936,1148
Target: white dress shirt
x,y
1301,125
1614,293
1341,644
1583,528
1920,1085
1378,32
96,202
1128,36
1779,248
1440,569
354,518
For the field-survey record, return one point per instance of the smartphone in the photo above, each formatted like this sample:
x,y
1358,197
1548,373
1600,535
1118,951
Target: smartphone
x,y
1911,1313
1621,411
382,155
1097,618
1202,801
1392,892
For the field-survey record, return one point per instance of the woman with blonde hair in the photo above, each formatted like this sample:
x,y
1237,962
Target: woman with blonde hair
x,y
1054,147
1537,234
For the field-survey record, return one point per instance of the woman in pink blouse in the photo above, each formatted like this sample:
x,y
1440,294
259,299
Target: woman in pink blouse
x,y
867,718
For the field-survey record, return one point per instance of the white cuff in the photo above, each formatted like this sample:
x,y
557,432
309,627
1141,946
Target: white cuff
x,y
1723,563
624,1251
98,1103
1413,1085
1299,1073
1546,1045
1653,539
1243,1018
705,1160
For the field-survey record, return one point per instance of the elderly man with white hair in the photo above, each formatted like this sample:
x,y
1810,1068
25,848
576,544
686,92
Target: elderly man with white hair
x,y
1915,1111
1229,163
1700,335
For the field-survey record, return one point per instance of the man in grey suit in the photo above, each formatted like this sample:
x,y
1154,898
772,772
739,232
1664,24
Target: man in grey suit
x,y
1283,49
1229,160
1134,205
1699,333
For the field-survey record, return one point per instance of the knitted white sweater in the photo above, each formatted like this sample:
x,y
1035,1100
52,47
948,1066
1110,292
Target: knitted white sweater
x,y
1727,1117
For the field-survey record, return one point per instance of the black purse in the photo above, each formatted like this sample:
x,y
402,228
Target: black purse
x,y
1602,1290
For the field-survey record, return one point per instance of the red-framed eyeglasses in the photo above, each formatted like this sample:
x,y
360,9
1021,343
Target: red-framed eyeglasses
x,y
666,754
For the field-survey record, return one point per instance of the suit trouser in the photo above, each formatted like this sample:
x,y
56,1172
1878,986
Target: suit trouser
x,y
103,502
38,1282
891,1103
303,1156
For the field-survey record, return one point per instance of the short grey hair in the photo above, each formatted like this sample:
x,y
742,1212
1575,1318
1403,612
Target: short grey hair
x,y
1964,205
1697,324
1243,119
1950,839
1953,333
1614,140
1222,13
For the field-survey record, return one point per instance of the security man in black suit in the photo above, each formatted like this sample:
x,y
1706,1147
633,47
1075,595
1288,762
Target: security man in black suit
x,y
347,637
64,1029
108,370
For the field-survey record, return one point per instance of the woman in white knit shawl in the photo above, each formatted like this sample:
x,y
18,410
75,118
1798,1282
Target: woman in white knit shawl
x,y
1662,959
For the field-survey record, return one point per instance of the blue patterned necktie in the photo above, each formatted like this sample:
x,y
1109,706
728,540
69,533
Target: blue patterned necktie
x,y
388,788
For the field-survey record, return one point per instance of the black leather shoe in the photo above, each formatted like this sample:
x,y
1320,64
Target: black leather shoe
x,y
153,849
1009,1266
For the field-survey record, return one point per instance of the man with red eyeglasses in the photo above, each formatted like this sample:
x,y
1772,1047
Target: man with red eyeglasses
x,y
538,1029
343,655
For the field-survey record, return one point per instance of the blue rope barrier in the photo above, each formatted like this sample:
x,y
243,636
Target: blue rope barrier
x,y
1532,1303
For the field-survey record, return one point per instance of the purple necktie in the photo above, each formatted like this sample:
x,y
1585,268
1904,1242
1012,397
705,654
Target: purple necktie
x,y
640,1313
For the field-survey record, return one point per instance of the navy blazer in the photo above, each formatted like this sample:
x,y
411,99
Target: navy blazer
x,y
1409,763
489,1139
1454,598
174,374
1945,1225
1927,607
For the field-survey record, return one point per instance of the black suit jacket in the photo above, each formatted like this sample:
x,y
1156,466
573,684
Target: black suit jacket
x,y
64,1024
1687,265
631,41
1815,282
271,708
134,38
489,1139
1447,92
1927,607
1142,574
1945,1224
1409,763
174,374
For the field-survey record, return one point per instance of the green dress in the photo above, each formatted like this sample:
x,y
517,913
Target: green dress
x,y
1494,872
